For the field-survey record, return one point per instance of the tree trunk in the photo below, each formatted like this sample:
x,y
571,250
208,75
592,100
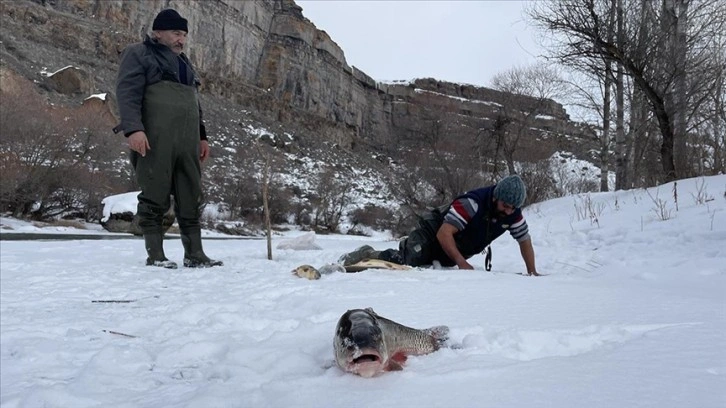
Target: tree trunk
x,y
639,134
266,205
605,141
679,12
639,121
621,157
266,197
659,108
718,123
607,107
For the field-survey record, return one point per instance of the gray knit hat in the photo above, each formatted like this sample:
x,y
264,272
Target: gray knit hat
x,y
511,190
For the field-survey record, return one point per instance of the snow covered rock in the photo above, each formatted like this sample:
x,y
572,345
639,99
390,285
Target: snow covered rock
x,y
70,80
119,214
305,242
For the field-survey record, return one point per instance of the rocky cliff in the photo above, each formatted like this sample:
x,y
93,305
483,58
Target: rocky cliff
x,y
258,54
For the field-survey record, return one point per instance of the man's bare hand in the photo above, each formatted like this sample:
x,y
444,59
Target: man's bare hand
x,y
203,150
533,273
139,143
465,265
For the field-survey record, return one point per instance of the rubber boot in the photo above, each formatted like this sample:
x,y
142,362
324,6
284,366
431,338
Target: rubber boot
x,y
194,256
359,254
155,249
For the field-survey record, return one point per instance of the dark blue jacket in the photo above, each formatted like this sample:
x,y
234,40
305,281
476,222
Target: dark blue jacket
x,y
476,211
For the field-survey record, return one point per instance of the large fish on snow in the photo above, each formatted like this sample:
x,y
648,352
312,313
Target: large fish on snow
x,y
368,344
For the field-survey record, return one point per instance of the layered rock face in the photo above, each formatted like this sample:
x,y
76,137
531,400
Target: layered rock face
x,y
262,54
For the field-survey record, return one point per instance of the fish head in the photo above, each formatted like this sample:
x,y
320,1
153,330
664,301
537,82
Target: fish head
x,y
359,344
307,272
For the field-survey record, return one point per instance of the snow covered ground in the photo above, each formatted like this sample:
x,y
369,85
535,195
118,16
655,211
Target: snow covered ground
x,y
632,314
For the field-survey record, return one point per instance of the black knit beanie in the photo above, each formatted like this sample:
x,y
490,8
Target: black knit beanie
x,y
169,19
511,190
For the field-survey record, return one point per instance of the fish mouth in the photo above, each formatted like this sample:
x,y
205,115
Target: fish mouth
x,y
367,357
367,364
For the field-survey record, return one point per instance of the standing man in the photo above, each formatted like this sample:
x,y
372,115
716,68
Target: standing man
x,y
160,113
463,229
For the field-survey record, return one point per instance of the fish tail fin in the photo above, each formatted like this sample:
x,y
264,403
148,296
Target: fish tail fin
x,y
440,335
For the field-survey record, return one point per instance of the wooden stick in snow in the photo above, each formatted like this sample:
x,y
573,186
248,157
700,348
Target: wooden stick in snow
x,y
119,333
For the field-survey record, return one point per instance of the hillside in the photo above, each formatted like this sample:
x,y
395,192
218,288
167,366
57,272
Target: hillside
x,y
270,76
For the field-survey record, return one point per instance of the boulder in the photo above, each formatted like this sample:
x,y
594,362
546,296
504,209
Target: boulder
x,y
70,80
234,229
128,222
119,214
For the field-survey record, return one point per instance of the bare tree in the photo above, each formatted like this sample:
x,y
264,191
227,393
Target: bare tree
x,y
621,142
712,125
541,84
441,163
589,96
235,183
660,64
606,111
333,195
54,160
266,177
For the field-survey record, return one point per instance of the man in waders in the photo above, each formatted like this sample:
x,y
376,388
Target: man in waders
x,y
160,113
466,227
